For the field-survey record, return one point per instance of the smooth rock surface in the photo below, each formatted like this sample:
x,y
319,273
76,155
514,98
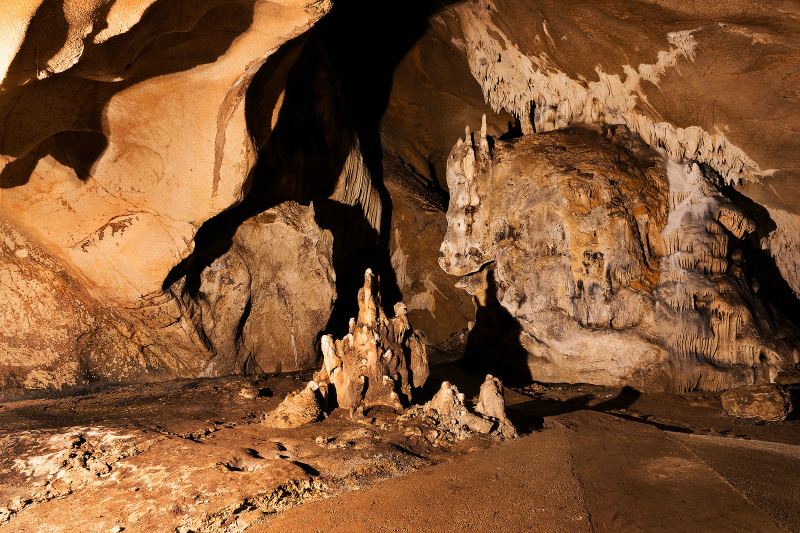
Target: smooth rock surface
x,y
93,121
127,126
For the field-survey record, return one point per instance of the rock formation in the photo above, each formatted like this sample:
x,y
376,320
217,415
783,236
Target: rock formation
x,y
150,149
435,305
379,362
620,265
492,405
448,412
260,306
769,403
298,408
127,125
714,84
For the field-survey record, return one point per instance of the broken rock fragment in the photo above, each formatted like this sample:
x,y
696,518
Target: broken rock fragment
x,y
492,405
454,420
379,361
297,409
770,403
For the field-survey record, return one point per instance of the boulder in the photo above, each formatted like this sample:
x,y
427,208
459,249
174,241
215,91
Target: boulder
x,y
606,262
769,403
261,305
297,409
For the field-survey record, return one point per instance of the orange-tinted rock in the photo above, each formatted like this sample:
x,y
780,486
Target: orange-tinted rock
x,y
770,403
379,361
612,265
126,126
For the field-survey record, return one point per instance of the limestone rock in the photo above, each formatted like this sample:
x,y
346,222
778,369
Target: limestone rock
x,y
297,409
379,361
770,403
707,84
490,401
455,421
262,304
143,119
711,85
492,405
435,306
54,336
92,120
613,264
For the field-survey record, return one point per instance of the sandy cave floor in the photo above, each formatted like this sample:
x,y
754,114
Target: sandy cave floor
x,y
193,455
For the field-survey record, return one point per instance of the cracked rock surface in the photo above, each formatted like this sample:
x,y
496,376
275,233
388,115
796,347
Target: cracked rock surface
x,y
189,456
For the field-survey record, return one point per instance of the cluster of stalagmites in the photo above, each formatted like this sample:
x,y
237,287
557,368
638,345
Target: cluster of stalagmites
x,y
620,265
380,362
449,413
377,363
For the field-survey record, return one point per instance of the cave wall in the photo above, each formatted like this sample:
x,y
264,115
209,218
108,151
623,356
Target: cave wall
x,y
126,126
185,187
715,83
712,90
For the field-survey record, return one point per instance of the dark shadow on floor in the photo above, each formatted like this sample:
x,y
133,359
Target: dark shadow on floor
x,y
546,407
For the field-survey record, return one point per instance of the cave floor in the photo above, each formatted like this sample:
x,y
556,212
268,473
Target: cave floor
x,y
193,456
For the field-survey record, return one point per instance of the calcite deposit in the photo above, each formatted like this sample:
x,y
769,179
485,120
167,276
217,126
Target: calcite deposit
x,y
298,408
379,362
127,126
449,412
714,83
620,265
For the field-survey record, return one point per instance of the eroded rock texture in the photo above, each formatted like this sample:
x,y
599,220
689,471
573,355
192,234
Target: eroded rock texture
x,y
770,403
434,304
713,83
126,126
618,264
260,306
449,412
379,362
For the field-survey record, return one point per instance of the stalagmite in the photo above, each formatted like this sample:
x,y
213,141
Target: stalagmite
x,y
379,362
